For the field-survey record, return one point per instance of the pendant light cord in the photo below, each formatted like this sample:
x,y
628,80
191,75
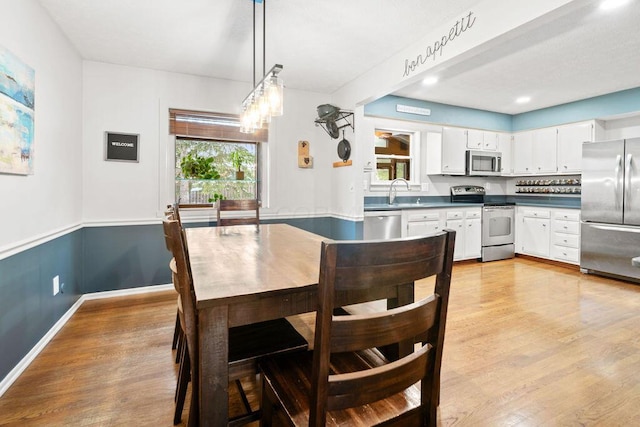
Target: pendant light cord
x,y
254,44
264,36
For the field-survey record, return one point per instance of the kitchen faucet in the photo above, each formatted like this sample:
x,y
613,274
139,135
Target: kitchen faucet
x,y
392,191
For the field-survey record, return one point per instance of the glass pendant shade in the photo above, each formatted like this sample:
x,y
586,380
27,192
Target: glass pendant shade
x,y
275,94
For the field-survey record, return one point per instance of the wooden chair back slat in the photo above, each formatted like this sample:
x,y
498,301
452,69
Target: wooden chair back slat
x,y
409,322
376,383
250,207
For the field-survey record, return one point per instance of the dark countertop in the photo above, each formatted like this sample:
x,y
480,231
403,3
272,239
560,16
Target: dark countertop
x,y
403,206
431,202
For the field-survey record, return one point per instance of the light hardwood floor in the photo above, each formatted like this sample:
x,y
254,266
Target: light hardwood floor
x,y
527,344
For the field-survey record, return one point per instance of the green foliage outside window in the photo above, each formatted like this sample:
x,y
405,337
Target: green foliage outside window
x,y
215,169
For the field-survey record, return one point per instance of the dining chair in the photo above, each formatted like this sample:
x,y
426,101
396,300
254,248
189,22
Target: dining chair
x,y
250,209
246,343
346,380
173,213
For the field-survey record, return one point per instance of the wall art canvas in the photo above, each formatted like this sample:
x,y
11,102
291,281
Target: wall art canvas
x,y
17,106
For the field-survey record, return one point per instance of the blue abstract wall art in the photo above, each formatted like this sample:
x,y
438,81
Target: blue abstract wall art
x,y
17,106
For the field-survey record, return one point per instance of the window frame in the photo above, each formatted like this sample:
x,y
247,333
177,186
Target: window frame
x,y
215,127
413,158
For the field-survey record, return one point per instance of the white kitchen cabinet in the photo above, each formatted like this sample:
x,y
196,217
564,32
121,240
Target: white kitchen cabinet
x,y
535,234
482,140
473,234
467,224
421,222
565,237
465,221
570,139
545,151
552,233
445,152
490,141
522,150
458,226
534,152
475,139
505,142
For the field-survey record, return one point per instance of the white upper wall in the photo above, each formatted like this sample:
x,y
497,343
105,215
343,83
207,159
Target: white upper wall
x,y
39,205
135,100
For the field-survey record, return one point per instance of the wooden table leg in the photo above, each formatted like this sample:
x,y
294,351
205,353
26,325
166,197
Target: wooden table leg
x,y
213,335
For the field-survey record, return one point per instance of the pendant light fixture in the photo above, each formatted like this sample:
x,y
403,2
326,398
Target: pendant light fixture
x,y
266,98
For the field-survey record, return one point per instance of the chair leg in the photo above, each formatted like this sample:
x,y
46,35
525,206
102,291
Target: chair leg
x,y
266,406
243,396
181,345
184,375
176,332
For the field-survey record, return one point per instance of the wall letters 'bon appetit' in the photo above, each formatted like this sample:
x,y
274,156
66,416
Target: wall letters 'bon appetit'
x,y
460,27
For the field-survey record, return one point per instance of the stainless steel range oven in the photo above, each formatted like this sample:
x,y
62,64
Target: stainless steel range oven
x,y
498,222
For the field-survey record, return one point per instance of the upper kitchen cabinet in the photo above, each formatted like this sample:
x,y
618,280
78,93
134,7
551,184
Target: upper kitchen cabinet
x,y
446,153
545,157
553,150
522,150
505,143
482,140
534,152
570,139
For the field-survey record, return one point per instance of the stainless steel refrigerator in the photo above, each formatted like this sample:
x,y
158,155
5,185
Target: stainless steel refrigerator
x,y
610,229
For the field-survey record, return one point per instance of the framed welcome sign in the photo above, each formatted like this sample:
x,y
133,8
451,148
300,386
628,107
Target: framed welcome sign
x,y
121,147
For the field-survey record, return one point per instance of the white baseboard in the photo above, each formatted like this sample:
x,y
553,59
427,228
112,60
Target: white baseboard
x,y
13,375
125,292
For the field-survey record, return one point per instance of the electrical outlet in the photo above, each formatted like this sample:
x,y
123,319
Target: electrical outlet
x,y
56,285
424,186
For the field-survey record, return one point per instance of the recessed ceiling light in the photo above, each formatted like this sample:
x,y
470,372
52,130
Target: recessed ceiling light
x,y
523,100
430,81
612,4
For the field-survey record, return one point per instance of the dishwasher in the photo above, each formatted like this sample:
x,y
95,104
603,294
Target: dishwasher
x,y
382,225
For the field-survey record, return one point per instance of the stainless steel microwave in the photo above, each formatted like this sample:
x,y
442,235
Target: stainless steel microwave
x,y
483,163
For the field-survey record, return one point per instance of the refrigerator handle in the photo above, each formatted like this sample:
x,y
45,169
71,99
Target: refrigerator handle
x,y
627,174
617,181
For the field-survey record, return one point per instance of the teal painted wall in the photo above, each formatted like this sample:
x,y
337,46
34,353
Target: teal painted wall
x,y
95,259
612,104
28,308
626,101
442,114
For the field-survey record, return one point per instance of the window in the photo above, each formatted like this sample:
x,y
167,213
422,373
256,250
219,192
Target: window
x,y
232,180
393,155
213,159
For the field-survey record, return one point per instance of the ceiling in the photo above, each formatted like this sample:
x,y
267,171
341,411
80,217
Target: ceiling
x,y
326,44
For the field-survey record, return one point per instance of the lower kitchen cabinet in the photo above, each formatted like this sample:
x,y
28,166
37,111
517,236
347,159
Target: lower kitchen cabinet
x,y
535,236
466,222
550,233
565,229
473,235
421,222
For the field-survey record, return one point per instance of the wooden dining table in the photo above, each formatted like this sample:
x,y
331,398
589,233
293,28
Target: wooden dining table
x,y
247,274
